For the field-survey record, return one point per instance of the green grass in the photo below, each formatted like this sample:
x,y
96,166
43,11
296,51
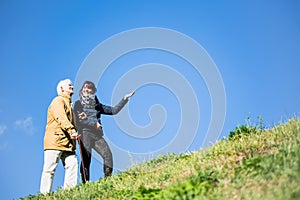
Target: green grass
x,y
253,163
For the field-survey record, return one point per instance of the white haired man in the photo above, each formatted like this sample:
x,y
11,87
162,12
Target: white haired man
x,y
60,139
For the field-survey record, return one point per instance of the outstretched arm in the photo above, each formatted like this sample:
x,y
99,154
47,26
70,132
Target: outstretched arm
x,y
109,110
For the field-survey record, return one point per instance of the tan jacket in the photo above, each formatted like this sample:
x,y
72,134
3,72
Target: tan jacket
x,y
60,125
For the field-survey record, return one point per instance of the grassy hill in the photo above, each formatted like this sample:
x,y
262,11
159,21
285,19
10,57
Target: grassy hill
x,y
252,163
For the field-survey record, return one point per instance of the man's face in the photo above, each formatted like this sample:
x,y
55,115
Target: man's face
x,y
68,88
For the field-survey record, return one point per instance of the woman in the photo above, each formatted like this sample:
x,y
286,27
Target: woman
x,y
88,111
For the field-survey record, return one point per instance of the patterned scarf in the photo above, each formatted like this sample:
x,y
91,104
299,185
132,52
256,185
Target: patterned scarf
x,y
88,100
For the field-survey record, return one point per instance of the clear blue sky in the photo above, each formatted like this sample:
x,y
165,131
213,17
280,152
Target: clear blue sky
x,y
254,44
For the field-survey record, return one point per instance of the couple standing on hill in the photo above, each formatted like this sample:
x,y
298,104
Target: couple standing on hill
x,y
61,134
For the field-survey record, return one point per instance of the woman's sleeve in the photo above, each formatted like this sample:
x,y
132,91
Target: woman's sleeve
x,y
109,110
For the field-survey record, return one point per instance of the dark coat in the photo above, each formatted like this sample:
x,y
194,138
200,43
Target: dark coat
x,y
87,126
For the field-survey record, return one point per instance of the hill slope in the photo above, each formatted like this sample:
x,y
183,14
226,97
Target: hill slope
x,y
250,164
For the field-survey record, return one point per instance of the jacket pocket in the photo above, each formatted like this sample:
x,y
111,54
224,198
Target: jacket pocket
x,y
60,138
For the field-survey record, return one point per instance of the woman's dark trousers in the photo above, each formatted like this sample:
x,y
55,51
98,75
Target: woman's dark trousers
x,y
102,148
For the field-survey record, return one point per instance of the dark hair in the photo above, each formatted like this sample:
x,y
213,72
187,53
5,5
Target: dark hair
x,y
89,85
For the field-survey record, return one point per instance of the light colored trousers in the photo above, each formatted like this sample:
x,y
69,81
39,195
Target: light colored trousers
x,y
51,160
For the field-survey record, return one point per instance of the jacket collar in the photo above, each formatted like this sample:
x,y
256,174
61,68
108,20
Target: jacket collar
x,y
66,96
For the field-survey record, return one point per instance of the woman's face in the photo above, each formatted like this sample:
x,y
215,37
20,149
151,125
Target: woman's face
x,y
87,90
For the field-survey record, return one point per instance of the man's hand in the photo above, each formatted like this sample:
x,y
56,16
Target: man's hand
x,y
74,136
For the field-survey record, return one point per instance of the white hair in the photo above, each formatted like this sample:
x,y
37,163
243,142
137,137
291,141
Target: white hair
x,y
61,84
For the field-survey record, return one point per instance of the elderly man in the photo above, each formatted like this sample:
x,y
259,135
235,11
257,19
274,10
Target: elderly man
x,y
60,139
